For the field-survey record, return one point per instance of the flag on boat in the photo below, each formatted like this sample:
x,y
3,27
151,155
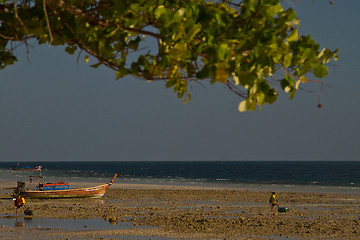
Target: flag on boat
x,y
38,168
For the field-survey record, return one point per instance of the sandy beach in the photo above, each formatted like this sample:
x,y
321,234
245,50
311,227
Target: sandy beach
x,y
138,211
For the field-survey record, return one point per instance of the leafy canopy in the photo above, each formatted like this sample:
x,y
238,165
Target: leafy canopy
x,y
251,46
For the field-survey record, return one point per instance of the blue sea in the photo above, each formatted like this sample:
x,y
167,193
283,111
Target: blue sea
x,y
333,176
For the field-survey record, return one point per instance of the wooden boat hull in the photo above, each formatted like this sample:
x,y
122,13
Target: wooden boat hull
x,y
92,192
26,169
88,192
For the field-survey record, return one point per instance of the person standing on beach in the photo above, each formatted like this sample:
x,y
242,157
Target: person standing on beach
x,y
273,202
19,202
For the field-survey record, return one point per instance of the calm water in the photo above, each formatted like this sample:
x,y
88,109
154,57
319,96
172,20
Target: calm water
x,y
330,174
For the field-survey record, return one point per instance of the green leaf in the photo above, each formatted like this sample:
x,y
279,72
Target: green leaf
x,y
292,93
251,4
293,35
204,72
287,83
271,96
101,46
192,32
170,83
273,10
247,105
161,13
96,65
243,106
222,75
326,55
320,70
178,52
222,51
261,98
287,60
71,49
246,78
291,15
134,43
121,73
164,15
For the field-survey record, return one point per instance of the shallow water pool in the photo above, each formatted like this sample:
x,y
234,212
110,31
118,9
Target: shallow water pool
x,y
68,224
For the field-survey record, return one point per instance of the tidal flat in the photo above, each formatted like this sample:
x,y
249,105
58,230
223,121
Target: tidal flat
x,y
181,212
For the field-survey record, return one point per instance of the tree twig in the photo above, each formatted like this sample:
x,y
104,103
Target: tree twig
x,y
47,22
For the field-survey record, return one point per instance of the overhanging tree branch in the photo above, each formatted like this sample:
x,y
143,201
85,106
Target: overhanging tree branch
x,y
240,44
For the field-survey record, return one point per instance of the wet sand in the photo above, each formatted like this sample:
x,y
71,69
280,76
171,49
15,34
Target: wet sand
x,y
159,212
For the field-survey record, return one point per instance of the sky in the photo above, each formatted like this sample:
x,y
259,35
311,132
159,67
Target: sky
x,y
54,108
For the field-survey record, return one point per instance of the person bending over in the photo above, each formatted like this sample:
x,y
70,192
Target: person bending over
x,y
19,202
273,202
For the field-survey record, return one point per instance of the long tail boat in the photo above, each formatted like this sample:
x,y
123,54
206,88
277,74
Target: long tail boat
x,y
26,168
62,190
